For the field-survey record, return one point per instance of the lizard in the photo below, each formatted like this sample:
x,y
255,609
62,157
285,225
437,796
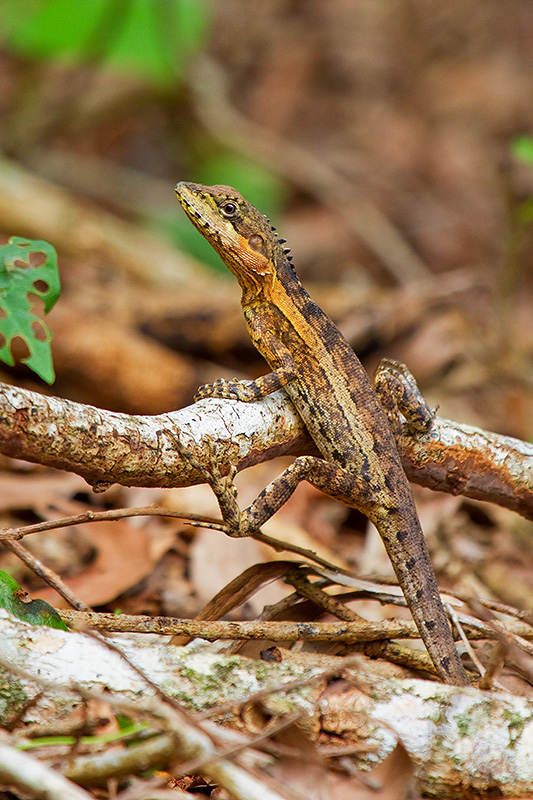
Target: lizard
x,y
355,430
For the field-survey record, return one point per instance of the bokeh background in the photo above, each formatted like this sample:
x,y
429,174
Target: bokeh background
x,y
390,142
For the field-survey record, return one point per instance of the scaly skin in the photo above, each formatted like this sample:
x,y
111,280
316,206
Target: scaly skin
x,y
332,393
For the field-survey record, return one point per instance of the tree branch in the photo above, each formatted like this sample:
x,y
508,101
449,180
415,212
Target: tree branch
x,y
354,631
430,719
106,447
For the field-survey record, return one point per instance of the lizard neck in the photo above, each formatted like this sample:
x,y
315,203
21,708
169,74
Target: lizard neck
x,y
279,281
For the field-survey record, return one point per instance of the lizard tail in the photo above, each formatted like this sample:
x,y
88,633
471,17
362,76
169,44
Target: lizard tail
x,y
409,555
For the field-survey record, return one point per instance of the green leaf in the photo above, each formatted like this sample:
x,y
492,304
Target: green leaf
x,y
522,149
125,732
36,612
154,39
28,268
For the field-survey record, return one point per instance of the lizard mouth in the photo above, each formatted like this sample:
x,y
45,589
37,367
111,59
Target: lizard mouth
x,y
186,199
204,214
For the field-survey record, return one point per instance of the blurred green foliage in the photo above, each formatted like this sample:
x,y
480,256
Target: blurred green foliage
x,y
157,40
151,38
21,281
521,149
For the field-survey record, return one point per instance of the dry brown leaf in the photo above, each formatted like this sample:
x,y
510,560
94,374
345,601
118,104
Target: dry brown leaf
x,y
390,780
123,559
216,560
301,768
242,587
19,492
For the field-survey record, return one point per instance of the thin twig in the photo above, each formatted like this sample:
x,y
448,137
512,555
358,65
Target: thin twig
x,y
101,516
195,520
312,592
47,574
452,613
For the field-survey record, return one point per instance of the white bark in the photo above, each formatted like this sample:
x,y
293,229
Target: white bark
x,y
25,772
460,739
108,447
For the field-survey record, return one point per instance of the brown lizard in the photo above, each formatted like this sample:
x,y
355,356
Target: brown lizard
x,y
353,429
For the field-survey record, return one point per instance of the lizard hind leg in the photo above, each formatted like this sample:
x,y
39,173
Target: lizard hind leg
x,y
406,548
326,476
222,486
398,391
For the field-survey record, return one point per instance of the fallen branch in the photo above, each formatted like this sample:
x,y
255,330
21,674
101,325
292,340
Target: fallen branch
x,y
434,722
22,771
347,632
106,447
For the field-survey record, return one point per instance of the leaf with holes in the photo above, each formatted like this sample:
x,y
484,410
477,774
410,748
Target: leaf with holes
x,y
27,268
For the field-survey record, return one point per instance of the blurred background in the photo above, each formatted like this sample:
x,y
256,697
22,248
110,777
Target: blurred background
x,y
390,142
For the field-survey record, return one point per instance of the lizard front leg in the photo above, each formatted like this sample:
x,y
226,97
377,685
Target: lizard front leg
x,y
246,391
244,524
251,391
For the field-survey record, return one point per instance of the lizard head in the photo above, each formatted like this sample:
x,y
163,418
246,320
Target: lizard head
x,y
240,234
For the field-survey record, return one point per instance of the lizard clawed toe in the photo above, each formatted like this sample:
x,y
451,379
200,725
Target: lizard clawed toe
x,y
223,486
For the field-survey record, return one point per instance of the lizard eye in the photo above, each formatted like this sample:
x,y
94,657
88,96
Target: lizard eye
x,y
229,208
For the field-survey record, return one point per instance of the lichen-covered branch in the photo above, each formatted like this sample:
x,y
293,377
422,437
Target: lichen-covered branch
x,y
106,447
460,739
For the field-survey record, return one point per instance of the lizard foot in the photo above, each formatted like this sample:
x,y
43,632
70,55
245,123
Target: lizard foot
x,y
223,486
247,391
398,391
